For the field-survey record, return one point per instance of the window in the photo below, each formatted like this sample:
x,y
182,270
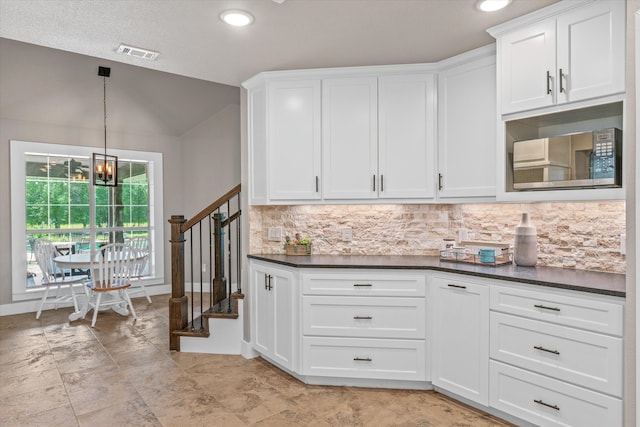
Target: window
x,y
52,197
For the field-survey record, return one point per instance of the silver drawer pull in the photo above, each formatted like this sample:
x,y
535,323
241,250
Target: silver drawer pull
x,y
548,405
363,285
544,307
362,317
451,285
362,359
539,347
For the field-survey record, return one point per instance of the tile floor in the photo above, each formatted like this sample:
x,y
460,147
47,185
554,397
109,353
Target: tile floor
x,y
53,373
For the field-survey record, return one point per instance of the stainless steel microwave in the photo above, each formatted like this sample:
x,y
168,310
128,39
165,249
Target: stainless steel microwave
x,y
579,160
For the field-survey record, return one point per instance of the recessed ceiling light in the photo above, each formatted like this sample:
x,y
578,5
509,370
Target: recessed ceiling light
x,y
492,5
236,17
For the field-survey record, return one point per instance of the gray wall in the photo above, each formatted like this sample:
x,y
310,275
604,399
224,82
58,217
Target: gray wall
x,y
52,96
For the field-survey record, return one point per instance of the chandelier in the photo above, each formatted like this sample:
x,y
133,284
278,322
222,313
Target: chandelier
x,y
105,167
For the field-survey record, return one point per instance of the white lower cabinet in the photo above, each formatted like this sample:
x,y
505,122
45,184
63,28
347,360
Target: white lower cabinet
x,y
273,307
556,357
355,325
364,358
580,357
459,313
545,401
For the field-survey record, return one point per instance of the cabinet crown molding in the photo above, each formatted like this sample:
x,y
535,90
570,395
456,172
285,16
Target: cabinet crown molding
x,y
537,16
363,71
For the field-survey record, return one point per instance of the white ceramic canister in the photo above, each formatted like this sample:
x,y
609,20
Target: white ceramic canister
x,y
526,243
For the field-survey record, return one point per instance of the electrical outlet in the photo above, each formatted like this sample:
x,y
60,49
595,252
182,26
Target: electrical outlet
x,y
346,235
274,234
623,244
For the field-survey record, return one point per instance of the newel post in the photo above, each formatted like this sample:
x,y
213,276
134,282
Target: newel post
x,y
178,311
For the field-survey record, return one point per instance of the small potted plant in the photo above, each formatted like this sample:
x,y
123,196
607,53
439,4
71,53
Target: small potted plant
x,y
297,246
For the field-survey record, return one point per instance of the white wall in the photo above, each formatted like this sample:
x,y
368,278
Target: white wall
x,y
211,159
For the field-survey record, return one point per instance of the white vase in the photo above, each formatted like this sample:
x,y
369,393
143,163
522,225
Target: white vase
x,y
526,243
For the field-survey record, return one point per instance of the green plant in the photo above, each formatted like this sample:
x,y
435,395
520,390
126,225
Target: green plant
x,y
297,240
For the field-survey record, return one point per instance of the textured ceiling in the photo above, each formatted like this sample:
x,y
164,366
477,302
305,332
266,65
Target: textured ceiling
x,y
297,34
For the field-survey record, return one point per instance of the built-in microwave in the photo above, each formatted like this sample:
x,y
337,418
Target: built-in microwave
x,y
579,160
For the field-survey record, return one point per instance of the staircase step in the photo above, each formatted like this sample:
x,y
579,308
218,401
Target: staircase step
x,y
200,325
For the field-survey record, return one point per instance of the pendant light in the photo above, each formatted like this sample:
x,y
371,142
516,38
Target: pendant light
x,y
105,167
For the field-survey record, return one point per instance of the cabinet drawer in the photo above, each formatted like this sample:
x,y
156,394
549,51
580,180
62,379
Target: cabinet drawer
x,y
367,317
364,358
548,402
597,316
580,357
394,284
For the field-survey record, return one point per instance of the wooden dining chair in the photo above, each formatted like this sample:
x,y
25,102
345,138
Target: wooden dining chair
x,y
52,276
110,275
142,250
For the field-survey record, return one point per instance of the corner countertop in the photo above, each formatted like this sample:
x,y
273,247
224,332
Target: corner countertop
x,y
564,278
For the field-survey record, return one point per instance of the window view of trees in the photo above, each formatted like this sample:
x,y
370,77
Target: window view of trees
x,y
63,206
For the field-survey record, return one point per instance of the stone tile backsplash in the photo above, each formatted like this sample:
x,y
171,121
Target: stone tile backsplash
x,y
577,235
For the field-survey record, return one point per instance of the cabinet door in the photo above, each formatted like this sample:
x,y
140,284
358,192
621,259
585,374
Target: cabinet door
x,y
406,136
282,305
460,331
591,43
294,140
257,117
467,130
262,310
273,313
528,66
349,138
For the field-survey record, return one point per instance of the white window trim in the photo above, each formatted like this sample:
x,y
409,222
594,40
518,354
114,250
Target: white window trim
x,y
19,150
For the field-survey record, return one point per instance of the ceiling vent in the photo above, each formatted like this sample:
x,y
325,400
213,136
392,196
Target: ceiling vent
x,y
138,52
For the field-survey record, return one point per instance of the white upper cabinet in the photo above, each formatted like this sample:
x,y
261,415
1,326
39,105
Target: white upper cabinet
x,y
349,138
591,51
293,111
528,63
406,136
575,55
467,128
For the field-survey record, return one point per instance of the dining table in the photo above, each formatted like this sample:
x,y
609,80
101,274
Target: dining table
x,y
82,261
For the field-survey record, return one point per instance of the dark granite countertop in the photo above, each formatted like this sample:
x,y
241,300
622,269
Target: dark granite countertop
x,y
565,278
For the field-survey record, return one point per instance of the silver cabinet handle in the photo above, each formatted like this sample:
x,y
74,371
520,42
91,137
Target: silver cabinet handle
x,y
440,181
545,307
561,76
548,405
362,359
541,348
548,82
362,285
362,317
451,285
317,184
374,183
381,183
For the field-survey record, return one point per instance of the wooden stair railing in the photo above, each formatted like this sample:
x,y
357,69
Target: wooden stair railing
x,y
219,216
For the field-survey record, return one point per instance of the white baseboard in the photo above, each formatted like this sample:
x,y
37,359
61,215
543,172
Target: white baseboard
x,y
31,306
247,351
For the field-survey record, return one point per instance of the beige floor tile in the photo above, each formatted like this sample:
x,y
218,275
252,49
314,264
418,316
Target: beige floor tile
x,y
29,382
130,413
24,360
33,402
62,416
